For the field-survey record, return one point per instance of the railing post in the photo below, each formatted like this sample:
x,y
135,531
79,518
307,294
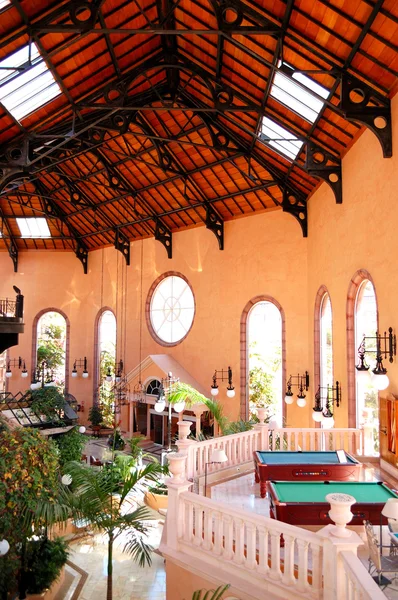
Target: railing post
x,y
368,448
176,485
186,446
263,433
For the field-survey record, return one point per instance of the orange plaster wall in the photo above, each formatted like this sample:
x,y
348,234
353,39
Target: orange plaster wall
x,y
359,234
264,254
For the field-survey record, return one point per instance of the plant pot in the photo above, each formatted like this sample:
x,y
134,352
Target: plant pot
x,y
340,512
184,429
156,501
261,413
52,592
176,462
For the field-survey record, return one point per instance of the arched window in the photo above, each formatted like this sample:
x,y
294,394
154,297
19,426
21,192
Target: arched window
x,y
326,342
152,388
51,336
365,323
106,361
265,353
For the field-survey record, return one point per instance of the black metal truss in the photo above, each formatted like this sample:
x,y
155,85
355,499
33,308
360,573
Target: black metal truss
x,y
361,103
165,237
216,224
122,243
325,166
295,204
9,240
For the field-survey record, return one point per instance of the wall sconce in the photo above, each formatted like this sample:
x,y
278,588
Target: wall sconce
x,y
379,378
225,375
43,376
322,410
16,362
302,383
80,362
118,372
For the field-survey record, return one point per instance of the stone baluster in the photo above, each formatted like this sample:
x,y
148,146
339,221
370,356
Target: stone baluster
x,y
316,569
251,538
288,558
263,550
275,570
228,527
302,565
217,541
176,485
208,529
239,541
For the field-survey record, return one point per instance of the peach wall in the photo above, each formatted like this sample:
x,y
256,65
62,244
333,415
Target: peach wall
x,y
359,234
264,255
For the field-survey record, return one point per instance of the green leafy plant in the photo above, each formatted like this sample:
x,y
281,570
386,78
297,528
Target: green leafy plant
x,y
48,401
44,561
135,449
116,440
95,415
210,594
70,446
161,489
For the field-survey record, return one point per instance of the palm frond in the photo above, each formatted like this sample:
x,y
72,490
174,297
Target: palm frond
x,y
205,594
139,550
183,392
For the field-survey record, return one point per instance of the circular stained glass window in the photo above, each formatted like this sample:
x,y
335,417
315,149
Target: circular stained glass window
x,y
172,310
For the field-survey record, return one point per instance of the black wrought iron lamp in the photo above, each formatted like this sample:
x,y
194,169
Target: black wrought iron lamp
x,y
16,362
325,400
165,388
43,376
386,347
223,375
302,382
78,364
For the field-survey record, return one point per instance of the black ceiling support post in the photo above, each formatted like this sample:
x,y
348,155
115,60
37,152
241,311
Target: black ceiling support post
x,y
295,203
361,103
164,236
122,244
216,224
325,166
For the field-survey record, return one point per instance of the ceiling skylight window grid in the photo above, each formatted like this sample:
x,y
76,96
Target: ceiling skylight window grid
x,y
279,138
22,91
33,227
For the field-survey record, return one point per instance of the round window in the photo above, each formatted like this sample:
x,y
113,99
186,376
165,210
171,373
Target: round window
x,y
172,310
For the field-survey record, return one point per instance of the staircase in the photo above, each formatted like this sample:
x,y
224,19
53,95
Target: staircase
x,y
11,320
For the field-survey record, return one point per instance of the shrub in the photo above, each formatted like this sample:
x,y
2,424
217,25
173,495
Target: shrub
x,y
95,415
70,446
116,440
48,401
135,449
44,561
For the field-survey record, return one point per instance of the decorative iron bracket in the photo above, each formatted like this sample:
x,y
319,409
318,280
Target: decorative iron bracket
x,y
361,103
82,254
325,166
216,224
164,236
122,244
294,202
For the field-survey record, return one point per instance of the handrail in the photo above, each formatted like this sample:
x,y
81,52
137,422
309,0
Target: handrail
x,y
359,585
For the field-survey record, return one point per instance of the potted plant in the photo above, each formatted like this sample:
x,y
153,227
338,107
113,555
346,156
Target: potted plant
x,y
45,560
48,403
95,417
70,446
156,496
116,440
135,449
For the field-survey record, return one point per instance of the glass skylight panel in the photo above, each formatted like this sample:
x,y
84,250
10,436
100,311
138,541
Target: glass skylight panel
x,y
280,138
4,3
295,97
23,92
33,227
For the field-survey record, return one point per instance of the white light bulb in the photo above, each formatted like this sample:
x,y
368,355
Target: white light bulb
x,y
24,374
159,406
289,399
85,374
4,547
363,376
317,416
214,391
8,373
74,373
179,406
301,402
381,382
66,479
82,429
327,422
230,393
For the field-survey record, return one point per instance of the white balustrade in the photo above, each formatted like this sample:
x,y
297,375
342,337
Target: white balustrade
x,y
358,584
239,447
287,555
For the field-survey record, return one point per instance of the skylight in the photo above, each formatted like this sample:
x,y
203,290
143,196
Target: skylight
x,y
280,138
4,3
292,95
24,91
33,227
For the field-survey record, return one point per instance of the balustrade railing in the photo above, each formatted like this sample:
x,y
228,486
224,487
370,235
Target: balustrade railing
x,y
358,583
7,307
239,447
253,542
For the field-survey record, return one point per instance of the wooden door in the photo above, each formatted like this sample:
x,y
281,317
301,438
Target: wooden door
x,y
388,415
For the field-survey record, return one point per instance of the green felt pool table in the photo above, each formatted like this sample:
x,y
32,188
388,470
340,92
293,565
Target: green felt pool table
x,y
303,466
303,503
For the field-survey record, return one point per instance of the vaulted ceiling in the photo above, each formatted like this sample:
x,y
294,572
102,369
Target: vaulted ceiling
x,y
154,122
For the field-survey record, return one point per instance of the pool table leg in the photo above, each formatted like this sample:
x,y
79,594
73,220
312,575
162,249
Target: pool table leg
x,y
263,489
256,477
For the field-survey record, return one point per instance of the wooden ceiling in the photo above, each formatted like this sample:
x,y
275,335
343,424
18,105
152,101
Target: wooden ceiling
x,y
156,126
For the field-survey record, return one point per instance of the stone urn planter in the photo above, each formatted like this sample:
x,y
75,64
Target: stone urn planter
x,y
340,513
176,462
156,501
184,429
52,592
261,413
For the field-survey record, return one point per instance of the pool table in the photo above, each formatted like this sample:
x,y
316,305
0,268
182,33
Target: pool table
x,y
303,502
314,466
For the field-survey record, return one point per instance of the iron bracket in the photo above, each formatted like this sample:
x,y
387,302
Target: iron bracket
x,y
294,202
361,103
216,224
164,236
325,166
122,244
82,254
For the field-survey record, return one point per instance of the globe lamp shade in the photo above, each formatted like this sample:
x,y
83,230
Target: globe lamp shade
x,y
214,391
82,429
160,405
289,399
327,422
381,382
301,402
317,415
179,406
4,547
